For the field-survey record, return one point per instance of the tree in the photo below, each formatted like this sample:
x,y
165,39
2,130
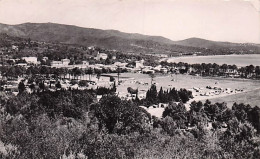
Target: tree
x,y
184,95
254,118
89,71
32,87
114,87
21,87
76,72
111,79
224,68
98,75
239,131
212,111
58,85
83,83
169,125
173,95
240,111
197,115
178,113
161,96
118,74
42,86
250,69
152,76
119,116
257,71
151,95
131,90
196,106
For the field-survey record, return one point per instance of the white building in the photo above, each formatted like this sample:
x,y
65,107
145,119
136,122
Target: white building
x,y
56,63
22,64
65,61
164,70
120,64
91,47
146,70
158,68
101,56
139,64
32,60
62,63
14,47
45,58
85,62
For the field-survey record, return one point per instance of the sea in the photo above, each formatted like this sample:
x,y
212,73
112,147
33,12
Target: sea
x,y
239,60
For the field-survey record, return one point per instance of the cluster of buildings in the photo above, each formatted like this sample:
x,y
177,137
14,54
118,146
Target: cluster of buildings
x,y
66,63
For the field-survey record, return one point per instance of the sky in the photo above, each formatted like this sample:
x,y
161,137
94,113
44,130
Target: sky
x,y
218,20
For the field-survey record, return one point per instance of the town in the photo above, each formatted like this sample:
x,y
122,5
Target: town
x,y
150,79
95,68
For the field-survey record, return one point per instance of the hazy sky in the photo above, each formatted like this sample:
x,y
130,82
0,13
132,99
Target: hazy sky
x,y
220,20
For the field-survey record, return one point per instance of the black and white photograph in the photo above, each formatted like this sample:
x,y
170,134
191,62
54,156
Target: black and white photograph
x,y
129,79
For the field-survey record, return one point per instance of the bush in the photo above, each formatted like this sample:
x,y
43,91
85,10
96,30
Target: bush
x,y
73,82
83,83
112,79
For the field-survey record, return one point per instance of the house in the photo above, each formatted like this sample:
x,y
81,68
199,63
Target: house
x,y
45,58
191,69
56,63
85,63
65,62
99,97
22,64
163,105
91,47
62,63
162,55
164,70
139,64
141,94
32,60
99,66
231,71
120,64
182,68
148,71
101,56
157,68
14,47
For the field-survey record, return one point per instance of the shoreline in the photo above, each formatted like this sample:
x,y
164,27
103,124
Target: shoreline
x,y
228,59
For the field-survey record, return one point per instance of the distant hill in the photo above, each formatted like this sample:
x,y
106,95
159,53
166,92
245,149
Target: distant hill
x,y
197,42
126,42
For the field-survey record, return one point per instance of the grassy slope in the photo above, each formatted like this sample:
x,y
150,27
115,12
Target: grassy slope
x,y
251,97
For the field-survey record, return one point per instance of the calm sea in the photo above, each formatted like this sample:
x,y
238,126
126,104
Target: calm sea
x,y
239,60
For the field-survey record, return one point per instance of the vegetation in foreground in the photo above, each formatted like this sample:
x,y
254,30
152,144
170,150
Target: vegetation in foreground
x,y
72,124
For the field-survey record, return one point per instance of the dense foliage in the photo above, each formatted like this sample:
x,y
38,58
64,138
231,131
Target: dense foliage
x,y
72,124
214,69
155,97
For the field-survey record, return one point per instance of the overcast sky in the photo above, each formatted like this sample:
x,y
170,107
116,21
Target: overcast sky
x,y
219,20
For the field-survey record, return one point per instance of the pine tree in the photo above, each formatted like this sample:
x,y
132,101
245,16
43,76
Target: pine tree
x,y
151,95
161,96
114,87
21,87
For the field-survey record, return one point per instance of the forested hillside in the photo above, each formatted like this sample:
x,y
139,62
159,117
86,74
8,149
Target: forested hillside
x,y
126,42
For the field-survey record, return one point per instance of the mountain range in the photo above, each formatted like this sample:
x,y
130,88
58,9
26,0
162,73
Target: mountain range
x,y
126,42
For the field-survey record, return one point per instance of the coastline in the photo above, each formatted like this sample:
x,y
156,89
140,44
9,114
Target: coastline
x,y
238,59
